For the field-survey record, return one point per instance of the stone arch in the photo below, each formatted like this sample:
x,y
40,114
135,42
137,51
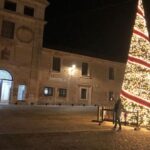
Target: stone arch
x,y
5,75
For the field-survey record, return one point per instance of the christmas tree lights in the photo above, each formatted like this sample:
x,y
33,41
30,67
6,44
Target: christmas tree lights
x,y
135,92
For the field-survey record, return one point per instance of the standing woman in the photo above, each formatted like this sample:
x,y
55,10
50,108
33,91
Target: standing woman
x,y
117,114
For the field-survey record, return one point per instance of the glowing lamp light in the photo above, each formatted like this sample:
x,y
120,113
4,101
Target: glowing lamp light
x,y
72,70
46,91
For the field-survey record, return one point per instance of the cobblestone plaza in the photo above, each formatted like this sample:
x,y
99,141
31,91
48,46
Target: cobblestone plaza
x,y
64,128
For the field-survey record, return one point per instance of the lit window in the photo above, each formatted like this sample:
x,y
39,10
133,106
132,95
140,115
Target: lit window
x,y
56,64
84,69
5,75
111,73
10,5
21,92
62,92
8,29
48,91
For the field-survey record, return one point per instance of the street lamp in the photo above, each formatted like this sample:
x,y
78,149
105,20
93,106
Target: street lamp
x,y
71,70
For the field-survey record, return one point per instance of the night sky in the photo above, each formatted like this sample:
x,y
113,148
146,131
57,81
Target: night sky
x,y
97,28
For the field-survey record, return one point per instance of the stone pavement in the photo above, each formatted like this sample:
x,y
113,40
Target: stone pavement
x,y
64,128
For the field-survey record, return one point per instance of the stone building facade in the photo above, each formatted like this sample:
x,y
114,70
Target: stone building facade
x,y
30,73
77,79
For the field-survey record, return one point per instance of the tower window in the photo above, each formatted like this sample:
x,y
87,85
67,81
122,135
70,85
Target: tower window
x,y
8,29
29,11
5,54
10,5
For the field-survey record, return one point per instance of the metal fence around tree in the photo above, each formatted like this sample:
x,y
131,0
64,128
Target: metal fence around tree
x,y
107,114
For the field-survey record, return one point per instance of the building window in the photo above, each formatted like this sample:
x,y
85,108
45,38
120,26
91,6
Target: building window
x,y
10,5
48,91
111,73
21,92
62,92
29,11
8,29
84,93
111,95
56,64
84,69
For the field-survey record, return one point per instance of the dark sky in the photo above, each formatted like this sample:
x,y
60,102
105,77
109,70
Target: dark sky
x,y
97,28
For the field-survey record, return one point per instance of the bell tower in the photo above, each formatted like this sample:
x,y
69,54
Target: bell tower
x,y
21,39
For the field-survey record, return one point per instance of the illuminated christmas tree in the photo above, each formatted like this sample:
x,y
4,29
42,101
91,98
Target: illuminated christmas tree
x,y
135,92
